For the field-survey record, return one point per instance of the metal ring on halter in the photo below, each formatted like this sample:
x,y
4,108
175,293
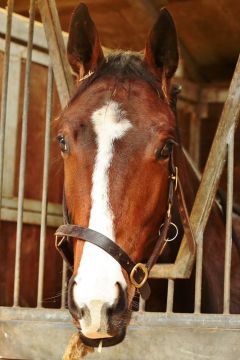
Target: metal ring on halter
x,y
175,227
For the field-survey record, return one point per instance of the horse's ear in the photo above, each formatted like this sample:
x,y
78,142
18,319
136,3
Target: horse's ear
x,y
83,48
161,52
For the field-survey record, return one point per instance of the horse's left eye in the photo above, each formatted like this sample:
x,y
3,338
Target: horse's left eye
x,y
62,143
164,152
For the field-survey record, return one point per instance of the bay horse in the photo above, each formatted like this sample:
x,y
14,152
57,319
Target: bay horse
x,y
117,137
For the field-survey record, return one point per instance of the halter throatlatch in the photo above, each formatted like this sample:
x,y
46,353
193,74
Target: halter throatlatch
x,y
138,272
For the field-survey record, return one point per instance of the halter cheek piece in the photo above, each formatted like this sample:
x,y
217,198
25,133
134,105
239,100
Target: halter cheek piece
x,y
138,272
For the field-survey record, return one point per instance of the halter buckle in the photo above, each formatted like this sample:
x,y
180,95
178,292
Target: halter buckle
x,y
144,269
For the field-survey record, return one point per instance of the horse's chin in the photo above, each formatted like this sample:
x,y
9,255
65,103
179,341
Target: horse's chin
x,y
104,342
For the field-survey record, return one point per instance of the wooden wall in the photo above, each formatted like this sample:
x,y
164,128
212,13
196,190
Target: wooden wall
x,y
33,190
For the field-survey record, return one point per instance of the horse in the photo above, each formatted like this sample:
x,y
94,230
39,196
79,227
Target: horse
x,y
123,169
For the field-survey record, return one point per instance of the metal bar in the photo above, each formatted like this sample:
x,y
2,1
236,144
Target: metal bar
x,y
5,75
11,128
45,187
198,276
57,52
153,319
23,155
64,286
228,246
170,296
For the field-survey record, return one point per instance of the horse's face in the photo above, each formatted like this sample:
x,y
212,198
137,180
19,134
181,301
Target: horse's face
x,y
115,137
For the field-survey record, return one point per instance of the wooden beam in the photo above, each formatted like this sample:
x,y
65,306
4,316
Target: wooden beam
x,y
31,212
57,51
213,94
20,30
198,94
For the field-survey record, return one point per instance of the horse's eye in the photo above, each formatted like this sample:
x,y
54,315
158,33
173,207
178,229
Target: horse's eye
x,y
164,152
62,143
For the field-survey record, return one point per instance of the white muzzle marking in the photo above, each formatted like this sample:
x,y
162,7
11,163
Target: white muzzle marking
x,y
98,272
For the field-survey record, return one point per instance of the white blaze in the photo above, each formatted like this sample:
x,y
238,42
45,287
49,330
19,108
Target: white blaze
x,y
99,272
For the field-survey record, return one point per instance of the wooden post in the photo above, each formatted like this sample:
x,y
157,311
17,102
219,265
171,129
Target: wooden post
x,y
57,51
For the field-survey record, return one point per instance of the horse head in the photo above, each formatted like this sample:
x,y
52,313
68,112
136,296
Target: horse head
x,y
116,137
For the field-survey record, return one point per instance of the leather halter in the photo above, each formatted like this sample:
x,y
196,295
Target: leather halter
x,y
138,272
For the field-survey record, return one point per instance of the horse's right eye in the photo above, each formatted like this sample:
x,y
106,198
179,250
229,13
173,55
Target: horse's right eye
x,y
62,142
164,152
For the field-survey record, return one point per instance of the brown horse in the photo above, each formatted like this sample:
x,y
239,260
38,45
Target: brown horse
x,y
117,136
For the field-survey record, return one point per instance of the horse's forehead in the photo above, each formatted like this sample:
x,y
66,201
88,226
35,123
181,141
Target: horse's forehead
x,y
134,99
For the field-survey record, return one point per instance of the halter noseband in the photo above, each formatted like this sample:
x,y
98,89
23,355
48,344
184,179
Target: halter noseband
x,y
138,272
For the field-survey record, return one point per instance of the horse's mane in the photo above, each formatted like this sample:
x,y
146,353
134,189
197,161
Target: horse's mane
x,y
122,65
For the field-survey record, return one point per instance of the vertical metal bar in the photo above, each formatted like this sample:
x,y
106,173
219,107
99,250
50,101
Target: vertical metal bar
x,y
45,186
198,276
22,167
228,246
170,295
11,128
64,285
5,70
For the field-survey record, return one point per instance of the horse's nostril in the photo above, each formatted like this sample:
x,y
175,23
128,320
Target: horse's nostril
x,y
120,303
78,312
